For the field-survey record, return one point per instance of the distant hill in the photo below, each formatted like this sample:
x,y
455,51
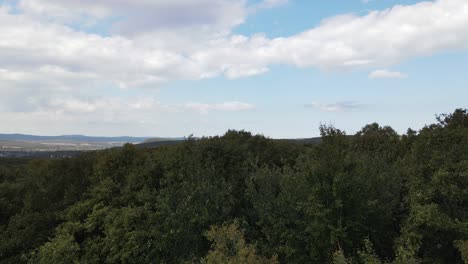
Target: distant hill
x,y
20,156
126,139
74,138
21,145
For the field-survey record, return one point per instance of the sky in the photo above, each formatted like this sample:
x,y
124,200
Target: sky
x,y
274,67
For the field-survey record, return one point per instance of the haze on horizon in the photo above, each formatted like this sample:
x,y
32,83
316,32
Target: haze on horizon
x,y
275,67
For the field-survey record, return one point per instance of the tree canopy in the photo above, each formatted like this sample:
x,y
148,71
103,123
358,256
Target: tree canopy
x,y
373,197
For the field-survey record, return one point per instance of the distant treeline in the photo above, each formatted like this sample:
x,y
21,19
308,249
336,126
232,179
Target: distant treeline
x,y
375,197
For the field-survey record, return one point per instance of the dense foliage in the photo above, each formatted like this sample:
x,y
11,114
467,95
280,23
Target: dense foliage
x,y
374,197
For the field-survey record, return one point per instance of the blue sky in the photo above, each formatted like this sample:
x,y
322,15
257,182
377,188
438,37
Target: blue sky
x,y
297,16
275,67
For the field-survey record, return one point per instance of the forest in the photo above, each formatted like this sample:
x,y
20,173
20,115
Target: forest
x,y
373,197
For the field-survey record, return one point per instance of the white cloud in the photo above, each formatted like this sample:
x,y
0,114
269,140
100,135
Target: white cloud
x,y
335,107
158,55
120,107
139,16
45,53
387,74
114,106
227,106
110,116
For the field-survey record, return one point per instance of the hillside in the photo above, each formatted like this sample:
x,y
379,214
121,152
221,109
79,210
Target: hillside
x,y
71,138
19,145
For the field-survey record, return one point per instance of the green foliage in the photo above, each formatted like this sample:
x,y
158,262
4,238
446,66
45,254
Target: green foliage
x,y
404,256
462,246
339,257
437,173
62,249
229,247
367,255
373,197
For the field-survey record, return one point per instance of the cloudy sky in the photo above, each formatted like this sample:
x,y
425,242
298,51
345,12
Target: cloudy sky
x,y
276,67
